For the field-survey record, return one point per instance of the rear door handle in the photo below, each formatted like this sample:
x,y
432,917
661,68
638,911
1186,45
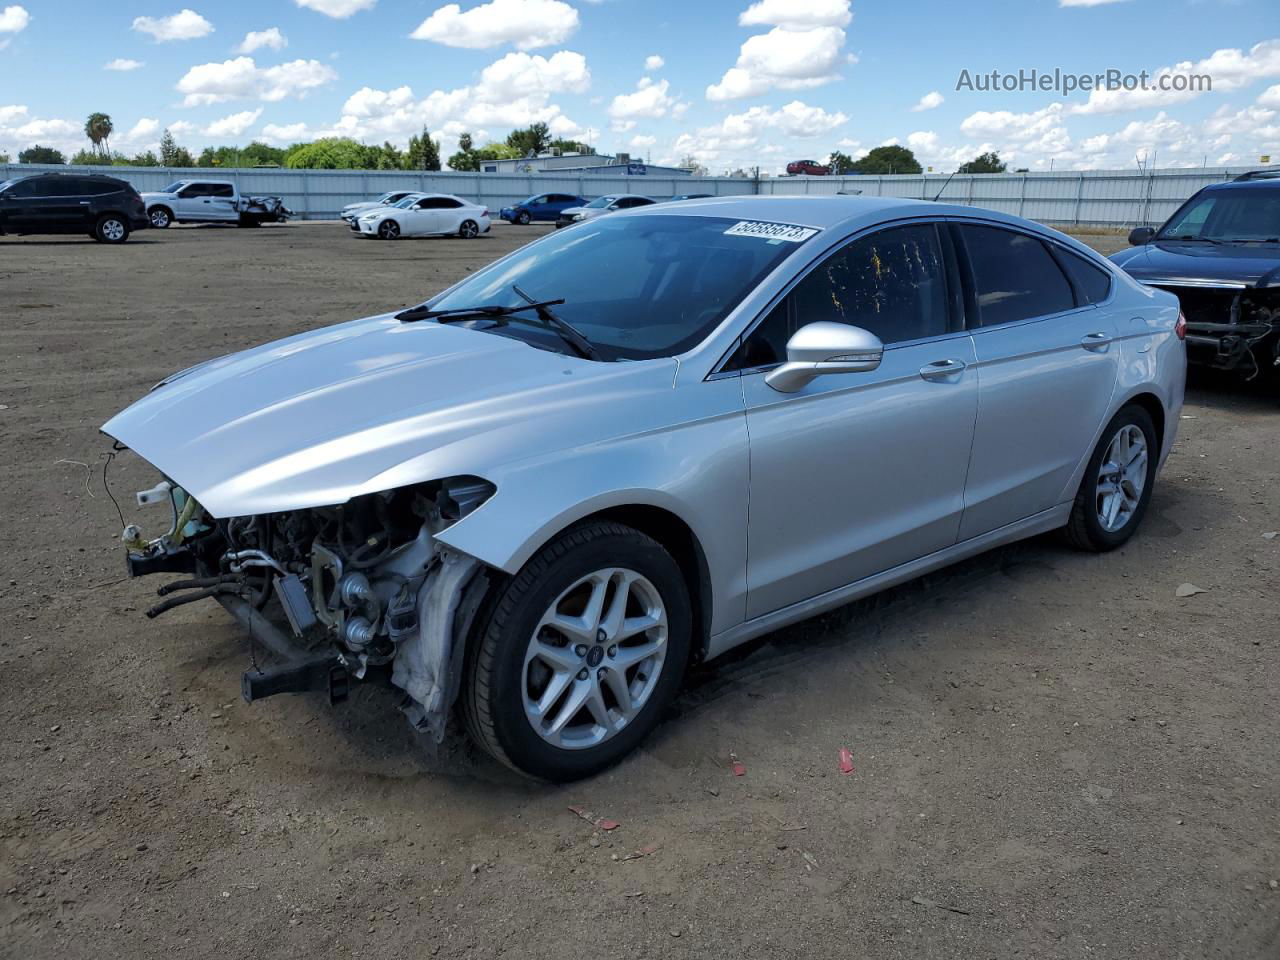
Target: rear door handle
x,y
1096,341
942,369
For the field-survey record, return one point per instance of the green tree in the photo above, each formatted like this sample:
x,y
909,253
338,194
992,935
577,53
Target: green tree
x,y
984,163
145,159
424,153
332,153
39,154
182,158
168,148
891,159
840,163
98,129
90,158
4,158
531,140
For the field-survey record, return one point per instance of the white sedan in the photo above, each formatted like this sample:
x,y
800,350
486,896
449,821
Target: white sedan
x,y
424,215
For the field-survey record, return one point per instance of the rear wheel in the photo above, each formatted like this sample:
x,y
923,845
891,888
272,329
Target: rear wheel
x,y
1117,483
579,653
388,230
160,217
111,228
469,230
523,218
248,220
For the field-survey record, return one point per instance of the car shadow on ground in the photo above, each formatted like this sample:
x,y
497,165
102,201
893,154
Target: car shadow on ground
x,y
18,241
1225,390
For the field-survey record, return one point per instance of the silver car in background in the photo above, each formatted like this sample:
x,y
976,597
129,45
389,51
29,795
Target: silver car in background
x,y
540,496
388,199
610,203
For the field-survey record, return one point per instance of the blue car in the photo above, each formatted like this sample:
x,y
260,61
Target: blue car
x,y
544,206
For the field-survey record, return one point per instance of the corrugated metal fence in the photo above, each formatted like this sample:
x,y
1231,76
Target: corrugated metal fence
x,y
1108,198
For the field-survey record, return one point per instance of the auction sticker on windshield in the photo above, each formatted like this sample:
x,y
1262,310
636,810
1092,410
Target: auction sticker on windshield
x,y
770,231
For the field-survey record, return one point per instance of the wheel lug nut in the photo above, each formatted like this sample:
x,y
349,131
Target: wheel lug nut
x,y
600,674
613,651
582,674
580,649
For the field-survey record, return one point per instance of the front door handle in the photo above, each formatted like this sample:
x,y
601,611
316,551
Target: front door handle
x,y
1096,341
942,369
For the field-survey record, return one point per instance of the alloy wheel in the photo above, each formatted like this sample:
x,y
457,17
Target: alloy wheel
x,y
1122,475
595,658
389,230
469,230
112,230
159,218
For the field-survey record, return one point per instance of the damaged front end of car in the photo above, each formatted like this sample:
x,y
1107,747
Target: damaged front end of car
x,y
340,594
1231,327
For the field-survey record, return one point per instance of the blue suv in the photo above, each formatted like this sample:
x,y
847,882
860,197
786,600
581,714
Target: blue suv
x,y
543,206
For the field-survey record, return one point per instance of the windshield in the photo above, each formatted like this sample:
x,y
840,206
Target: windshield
x,y
7,184
406,202
636,287
599,202
1226,215
174,187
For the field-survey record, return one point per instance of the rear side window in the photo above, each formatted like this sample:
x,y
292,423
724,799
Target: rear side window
x,y
1014,276
1092,282
222,190
101,187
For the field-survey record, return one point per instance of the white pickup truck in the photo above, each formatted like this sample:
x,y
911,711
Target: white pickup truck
x,y
211,201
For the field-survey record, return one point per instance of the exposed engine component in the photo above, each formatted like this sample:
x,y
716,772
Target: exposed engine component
x,y
1232,329
365,581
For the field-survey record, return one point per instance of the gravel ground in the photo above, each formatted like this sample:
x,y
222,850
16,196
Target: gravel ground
x,y
1054,755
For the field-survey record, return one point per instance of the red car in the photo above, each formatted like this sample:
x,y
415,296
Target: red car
x,y
810,167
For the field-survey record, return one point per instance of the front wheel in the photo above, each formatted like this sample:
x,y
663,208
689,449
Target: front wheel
x,y
111,229
1117,483
523,218
469,230
579,653
388,230
160,217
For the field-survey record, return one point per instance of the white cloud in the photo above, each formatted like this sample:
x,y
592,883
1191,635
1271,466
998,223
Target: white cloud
x,y
643,142
11,113
182,127
1229,68
146,127
650,99
233,125
257,39
797,16
123,64
242,79
740,139
285,133
1041,130
338,9
183,25
930,100
796,119
14,19
1086,3
1270,97
787,59
525,23
532,75
654,62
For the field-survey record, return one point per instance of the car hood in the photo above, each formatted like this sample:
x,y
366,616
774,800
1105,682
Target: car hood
x,y
1228,265
372,405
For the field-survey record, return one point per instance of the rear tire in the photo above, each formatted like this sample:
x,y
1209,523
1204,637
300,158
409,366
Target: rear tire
x,y
111,228
610,660
469,230
1110,503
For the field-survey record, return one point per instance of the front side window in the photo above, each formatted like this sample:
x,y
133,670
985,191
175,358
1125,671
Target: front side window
x,y
174,187
194,190
892,282
637,287
1014,276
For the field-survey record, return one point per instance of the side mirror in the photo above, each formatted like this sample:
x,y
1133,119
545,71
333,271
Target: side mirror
x,y
825,347
1140,235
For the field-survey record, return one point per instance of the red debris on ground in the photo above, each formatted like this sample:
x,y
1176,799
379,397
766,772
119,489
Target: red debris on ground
x,y
739,768
600,823
846,761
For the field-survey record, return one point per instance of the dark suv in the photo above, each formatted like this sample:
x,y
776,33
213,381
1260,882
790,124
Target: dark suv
x,y
1220,253
105,208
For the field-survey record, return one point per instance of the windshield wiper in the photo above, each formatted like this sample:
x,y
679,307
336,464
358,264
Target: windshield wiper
x,y
1196,239
414,314
568,332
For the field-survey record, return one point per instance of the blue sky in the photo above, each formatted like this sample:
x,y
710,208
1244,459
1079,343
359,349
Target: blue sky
x,y
733,83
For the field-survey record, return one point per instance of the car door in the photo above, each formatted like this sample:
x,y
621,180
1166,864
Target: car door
x,y
421,218
1047,369
539,207
450,213
221,202
189,202
62,205
857,473
22,205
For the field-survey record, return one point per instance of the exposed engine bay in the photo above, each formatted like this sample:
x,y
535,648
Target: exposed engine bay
x,y
1230,328
338,594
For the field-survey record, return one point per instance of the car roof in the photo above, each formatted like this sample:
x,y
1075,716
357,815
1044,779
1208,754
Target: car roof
x,y
1261,183
810,210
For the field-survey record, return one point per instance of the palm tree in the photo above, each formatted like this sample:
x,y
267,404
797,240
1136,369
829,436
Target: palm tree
x,y
98,128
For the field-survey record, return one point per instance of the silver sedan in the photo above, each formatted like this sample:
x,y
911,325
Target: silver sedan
x,y
540,495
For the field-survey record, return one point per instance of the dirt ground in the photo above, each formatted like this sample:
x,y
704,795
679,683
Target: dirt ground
x,y
1054,755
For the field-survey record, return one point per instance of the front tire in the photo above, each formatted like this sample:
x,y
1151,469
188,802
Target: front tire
x,y
579,653
111,229
523,218
161,217
388,230
1117,483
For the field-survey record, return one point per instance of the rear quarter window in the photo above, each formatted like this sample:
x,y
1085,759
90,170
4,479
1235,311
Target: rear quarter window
x,y
1092,282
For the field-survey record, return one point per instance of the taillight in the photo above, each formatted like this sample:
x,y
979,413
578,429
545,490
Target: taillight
x,y
484,212
1180,328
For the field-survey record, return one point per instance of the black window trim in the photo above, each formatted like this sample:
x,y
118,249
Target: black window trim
x,y
955,320
966,276
1060,252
